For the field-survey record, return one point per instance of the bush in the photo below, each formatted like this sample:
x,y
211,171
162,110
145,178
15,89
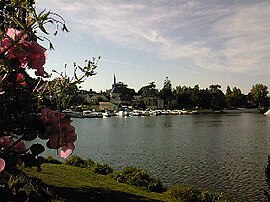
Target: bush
x,y
75,161
140,178
103,169
79,162
192,194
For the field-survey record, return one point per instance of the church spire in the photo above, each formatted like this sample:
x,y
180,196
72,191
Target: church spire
x,y
114,79
114,82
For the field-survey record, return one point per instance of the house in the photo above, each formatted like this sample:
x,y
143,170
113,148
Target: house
x,y
103,106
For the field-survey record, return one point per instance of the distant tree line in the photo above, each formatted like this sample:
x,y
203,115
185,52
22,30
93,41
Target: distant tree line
x,y
177,98
208,98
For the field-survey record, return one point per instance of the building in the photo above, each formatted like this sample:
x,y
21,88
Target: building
x,y
121,94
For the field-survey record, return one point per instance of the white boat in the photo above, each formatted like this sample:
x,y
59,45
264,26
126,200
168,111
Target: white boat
x,y
92,114
108,114
136,113
267,113
174,112
123,113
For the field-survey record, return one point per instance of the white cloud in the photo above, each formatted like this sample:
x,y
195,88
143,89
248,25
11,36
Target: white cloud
x,y
230,37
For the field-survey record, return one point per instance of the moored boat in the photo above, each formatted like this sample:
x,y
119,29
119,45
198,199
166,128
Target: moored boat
x,y
267,113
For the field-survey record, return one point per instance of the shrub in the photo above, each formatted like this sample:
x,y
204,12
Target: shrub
x,y
103,169
192,194
79,162
140,178
76,161
90,163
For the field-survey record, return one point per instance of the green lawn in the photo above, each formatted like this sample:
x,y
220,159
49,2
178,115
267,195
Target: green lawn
x,y
81,184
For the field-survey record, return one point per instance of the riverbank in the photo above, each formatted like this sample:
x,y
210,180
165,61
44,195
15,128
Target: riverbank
x,y
70,183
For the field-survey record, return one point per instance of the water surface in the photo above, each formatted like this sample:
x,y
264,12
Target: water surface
x,y
226,153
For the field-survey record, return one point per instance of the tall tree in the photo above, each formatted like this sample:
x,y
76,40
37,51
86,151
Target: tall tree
x,y
166,92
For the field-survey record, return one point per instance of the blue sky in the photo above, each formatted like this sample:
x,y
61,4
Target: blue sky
x,y
203,42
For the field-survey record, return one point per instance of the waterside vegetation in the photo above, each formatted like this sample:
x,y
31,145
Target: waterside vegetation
x,y
78,179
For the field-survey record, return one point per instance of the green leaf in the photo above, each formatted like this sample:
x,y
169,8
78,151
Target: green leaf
x,y
42,28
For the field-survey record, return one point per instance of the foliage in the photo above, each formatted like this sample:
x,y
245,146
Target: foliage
x,y
235,98
26,102
79,162
217,97
166,92
148,90
130,175
258,96
103,169
24,188
191,194
140,178
62,92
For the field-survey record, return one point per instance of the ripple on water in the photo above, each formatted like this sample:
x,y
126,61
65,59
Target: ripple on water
x,y
222,153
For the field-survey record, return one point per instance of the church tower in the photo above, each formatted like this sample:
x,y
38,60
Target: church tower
x,y
114,82
114,79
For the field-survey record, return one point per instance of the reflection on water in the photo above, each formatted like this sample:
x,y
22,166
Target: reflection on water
x,y
218,152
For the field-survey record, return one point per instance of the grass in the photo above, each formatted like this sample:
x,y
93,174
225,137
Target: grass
x,y
71,183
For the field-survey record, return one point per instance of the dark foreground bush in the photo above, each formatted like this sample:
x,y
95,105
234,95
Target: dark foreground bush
x,y
191,194
138,177
24,188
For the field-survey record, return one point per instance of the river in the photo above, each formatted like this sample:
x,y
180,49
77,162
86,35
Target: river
x,y
226,153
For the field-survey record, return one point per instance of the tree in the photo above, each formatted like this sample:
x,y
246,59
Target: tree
x,y
217,97
258,95
228,91
148,90
204,99
166,92
184,96
235,98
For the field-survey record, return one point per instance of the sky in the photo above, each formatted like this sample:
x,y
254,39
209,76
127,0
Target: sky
x,y
202,42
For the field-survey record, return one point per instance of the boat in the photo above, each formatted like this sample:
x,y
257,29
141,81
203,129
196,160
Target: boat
x,y
136,113
174,112
123,113
108,113
73,114
267,113
91,114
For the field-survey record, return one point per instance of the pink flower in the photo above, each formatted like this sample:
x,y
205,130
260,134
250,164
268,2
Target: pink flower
x,y
5,142
27,52
19,147
2,164
21,79
67,150
59,131
13,34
